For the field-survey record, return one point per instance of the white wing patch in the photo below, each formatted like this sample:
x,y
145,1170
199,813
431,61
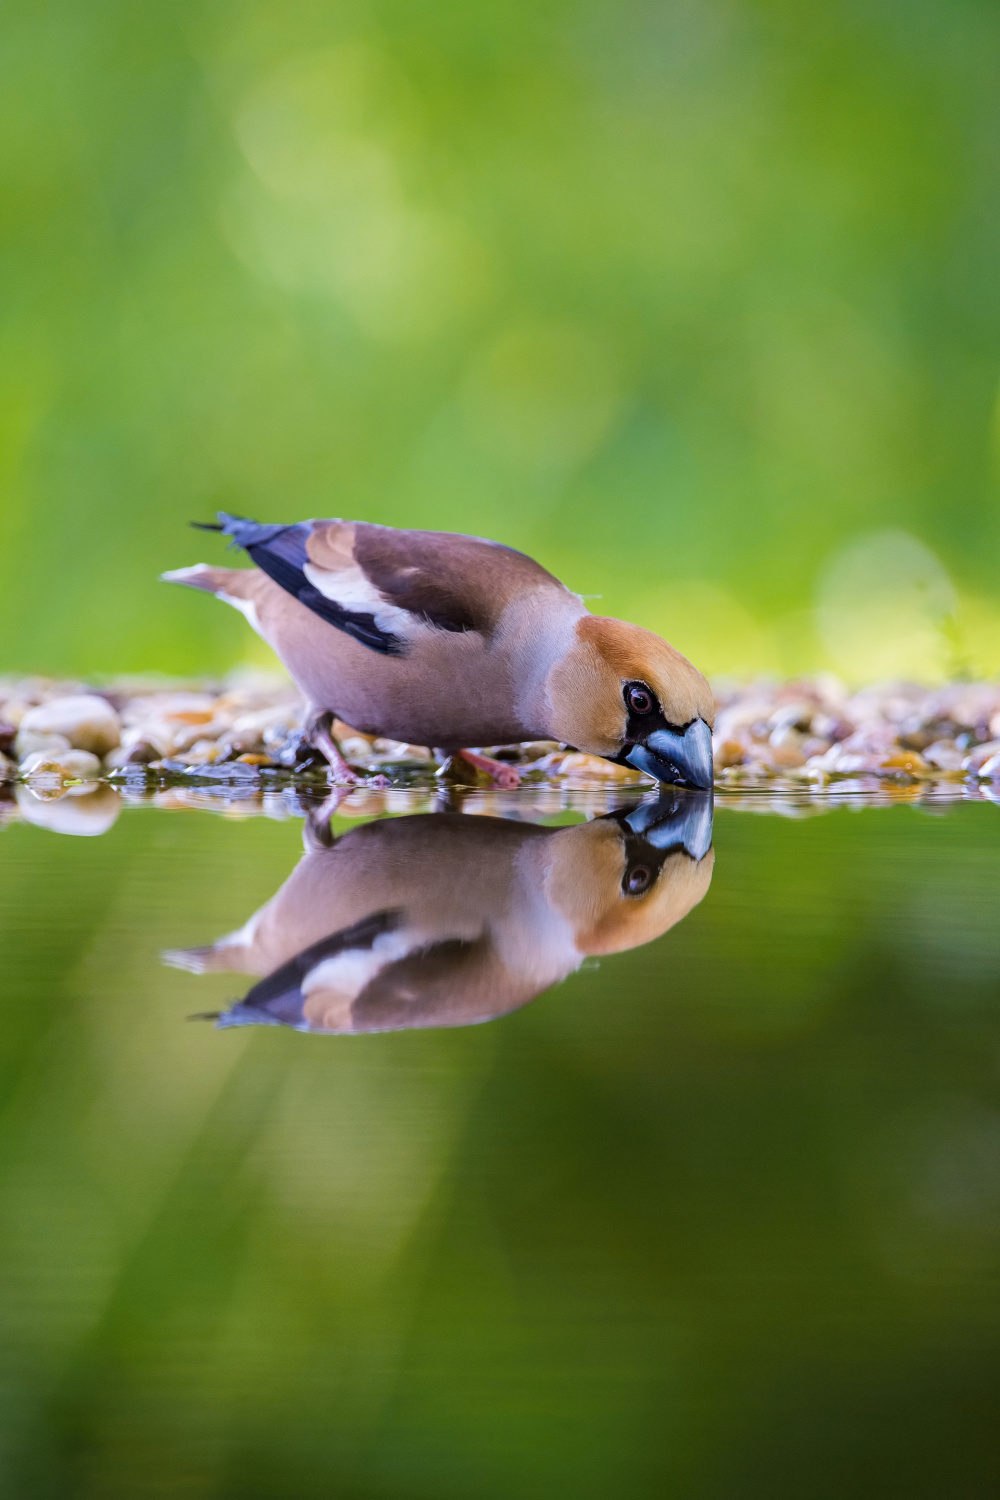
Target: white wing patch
x,y
346,974
330,989
349,587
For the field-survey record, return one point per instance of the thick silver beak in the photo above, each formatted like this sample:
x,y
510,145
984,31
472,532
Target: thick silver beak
x,y
673,757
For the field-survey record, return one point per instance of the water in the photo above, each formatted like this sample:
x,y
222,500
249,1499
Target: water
x,y
716,1216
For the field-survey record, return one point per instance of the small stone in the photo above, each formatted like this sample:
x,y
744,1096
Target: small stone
x,y
139,753
31,743
980,755
15,709
578,766
389,749
87,721
355,747
142,753
201,753
909,761
730,752
76,765
252,732
232,770
945,755
194,738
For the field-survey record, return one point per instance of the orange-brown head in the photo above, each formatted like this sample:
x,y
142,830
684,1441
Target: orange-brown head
x,y
624,879
622,692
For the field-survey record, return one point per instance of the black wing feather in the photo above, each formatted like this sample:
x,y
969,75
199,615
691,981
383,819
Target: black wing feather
x,y
280,552
278,999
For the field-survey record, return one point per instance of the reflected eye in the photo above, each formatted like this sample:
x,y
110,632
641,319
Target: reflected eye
x,y
638,879
639,700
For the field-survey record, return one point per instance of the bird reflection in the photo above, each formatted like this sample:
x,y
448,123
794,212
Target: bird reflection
x,y
445,919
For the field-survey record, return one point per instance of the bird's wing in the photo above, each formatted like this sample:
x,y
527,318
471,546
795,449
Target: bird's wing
x,y
447,580
279,999
281,553
380,584
457,982
384,986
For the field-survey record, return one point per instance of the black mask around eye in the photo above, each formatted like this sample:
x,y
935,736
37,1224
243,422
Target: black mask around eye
x,y
671,752
643,712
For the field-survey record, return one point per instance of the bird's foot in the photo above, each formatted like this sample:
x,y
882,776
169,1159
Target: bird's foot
x,y
501,772
374,782
342,774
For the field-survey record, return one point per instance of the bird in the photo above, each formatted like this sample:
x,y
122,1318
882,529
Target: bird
x,y
448,919
452,641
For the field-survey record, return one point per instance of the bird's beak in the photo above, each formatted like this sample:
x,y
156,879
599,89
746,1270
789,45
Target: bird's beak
x,y
675,820
670,755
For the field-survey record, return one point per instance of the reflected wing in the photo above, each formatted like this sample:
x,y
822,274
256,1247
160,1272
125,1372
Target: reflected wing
x,y
278,1000
455,983
366,981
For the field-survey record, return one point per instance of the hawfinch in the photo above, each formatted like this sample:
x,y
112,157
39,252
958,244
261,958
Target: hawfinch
x,y
442,919
439,639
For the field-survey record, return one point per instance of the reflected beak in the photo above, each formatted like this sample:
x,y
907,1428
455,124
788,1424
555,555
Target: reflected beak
x,y
679,820
672,756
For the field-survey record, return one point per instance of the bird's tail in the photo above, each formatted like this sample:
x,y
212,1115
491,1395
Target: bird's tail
x,y
244,533
230,581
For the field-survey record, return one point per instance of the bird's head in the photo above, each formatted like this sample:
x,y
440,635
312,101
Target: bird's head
x,y
623,693
626,878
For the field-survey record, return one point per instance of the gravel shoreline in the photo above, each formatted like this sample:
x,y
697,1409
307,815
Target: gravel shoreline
x,y
812,733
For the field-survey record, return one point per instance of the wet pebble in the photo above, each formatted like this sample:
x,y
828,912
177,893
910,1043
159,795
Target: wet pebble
x,y
85,720
249,731
76,765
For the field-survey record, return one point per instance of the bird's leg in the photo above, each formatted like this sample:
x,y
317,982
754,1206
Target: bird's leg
x,y
502,772
318,833
321,736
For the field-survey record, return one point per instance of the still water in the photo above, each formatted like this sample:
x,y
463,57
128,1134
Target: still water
x,y
516,1148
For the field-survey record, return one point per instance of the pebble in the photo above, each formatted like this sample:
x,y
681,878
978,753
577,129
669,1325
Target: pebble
x,y
33,742
894,732
87,721
812,731
978,757
75,765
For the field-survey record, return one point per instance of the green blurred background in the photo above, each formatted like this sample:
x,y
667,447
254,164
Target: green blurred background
x,y
696,300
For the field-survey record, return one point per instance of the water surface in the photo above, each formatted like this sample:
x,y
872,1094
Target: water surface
x,y
712,1209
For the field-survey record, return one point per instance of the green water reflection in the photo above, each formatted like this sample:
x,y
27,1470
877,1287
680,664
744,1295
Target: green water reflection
x,y
718,1216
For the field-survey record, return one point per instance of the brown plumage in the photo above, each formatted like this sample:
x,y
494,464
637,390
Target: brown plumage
x,y
447,640
446,920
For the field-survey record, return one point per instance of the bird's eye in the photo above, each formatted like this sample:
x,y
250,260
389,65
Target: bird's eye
x,y
639,700
637,879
